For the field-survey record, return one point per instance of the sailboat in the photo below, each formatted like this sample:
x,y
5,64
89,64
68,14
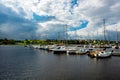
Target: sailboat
x,y
117,46
60,49
101,53
116,51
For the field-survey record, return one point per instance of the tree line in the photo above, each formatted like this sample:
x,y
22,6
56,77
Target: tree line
x,y
26,42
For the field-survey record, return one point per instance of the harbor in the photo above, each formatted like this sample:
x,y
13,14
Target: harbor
x,y
89,50
59,40
20,63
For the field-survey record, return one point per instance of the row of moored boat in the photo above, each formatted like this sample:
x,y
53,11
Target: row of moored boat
x,y
92,52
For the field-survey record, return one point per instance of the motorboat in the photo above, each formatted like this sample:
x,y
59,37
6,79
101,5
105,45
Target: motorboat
x,y
103,54
60,50
100,54
82,51
116,52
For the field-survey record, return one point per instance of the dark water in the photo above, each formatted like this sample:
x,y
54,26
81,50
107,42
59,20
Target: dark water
x,y
21,63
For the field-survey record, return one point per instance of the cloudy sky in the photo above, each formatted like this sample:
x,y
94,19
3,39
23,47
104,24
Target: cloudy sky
x,y
45,19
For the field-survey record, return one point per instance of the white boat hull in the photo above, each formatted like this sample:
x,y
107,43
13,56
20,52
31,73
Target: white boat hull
x,y
103,54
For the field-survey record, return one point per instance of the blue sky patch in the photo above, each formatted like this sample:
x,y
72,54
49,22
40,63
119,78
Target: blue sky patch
x,y
83,25
73,3
43,18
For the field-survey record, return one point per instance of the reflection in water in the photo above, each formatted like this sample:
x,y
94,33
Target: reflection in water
x,y
21,63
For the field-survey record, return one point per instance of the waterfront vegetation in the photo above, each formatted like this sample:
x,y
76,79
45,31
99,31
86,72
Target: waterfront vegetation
x,y
7,41
47,42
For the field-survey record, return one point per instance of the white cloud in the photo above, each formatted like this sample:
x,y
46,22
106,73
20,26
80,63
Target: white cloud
x,y
93,11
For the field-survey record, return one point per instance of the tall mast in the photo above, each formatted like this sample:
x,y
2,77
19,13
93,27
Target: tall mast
x,y
104,29
116,36
66,37
76,34
58,37
117,45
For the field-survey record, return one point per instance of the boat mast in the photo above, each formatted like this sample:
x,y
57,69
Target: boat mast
x,y
75,34
104,29
58,37
66,37
116,36
117,45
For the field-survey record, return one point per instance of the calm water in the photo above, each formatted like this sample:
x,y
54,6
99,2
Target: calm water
x,y
21,63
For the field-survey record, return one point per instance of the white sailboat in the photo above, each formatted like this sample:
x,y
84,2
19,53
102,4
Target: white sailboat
x,y
101,53
60,49
116,48
117,44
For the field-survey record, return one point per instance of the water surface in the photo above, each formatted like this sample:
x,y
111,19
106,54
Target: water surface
x,y
22,63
